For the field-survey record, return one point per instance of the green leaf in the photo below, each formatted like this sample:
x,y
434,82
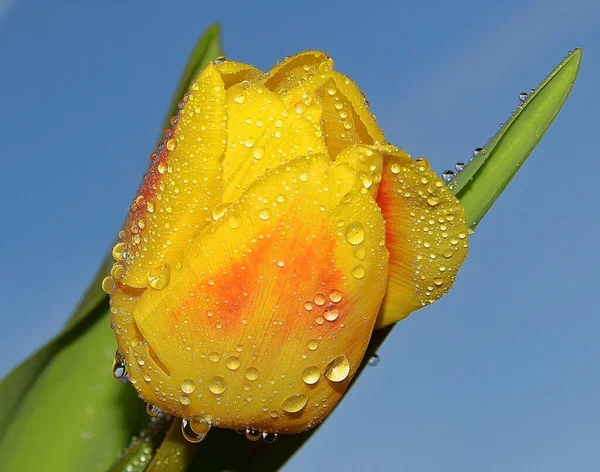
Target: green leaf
x,y
71,374
483,180
75,416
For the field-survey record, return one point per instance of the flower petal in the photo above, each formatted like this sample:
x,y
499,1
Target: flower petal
x,y
233,72
269,311
346,115
182,186
262,133
310,68
426,235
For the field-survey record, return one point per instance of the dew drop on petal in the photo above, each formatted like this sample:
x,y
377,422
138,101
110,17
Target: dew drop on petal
x,y
119,369
152,410
269,438
311,375
258,153
119,252
252,373
359,271
189,433
373,361
331,314
217,385
355,233
159,276
338,369
188,386
253,434
234,221
294,403
335,296
108,285
184,400
233,363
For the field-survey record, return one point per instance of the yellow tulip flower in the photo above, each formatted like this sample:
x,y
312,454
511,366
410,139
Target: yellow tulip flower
x,y
275,230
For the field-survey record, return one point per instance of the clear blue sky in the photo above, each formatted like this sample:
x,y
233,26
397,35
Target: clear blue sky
x,y
500,375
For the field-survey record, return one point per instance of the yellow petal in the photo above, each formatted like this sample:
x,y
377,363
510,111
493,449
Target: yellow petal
x,y
269,311
347,118
367,162
262,133
182,186
426,235
233,72
305,68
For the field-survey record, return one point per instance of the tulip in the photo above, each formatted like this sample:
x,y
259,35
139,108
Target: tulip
x,y
274,231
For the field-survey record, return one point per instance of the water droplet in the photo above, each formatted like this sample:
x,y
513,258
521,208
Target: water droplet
x,y
234,221
313,345
264,214
159,276
214,356
360,253
335,296
239,98
220,60
331,314
217,385
119,252
460,166
338,369
320,299
108,285
188,386
373,361
294,403
300,108
119,369
355,233
258,153
188,430
269,438
433,201
171,144
304,176
252,373
523,96
200,425
233,363
152,410
448,175
219,210
185,400
253,434
311,375
359,271
476,151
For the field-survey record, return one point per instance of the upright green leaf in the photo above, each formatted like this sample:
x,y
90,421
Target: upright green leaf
x,y
483,180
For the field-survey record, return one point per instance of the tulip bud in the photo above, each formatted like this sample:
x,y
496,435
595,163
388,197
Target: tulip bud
x,y
257,253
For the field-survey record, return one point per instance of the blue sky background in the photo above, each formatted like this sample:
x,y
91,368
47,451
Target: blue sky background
x,y
500,375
